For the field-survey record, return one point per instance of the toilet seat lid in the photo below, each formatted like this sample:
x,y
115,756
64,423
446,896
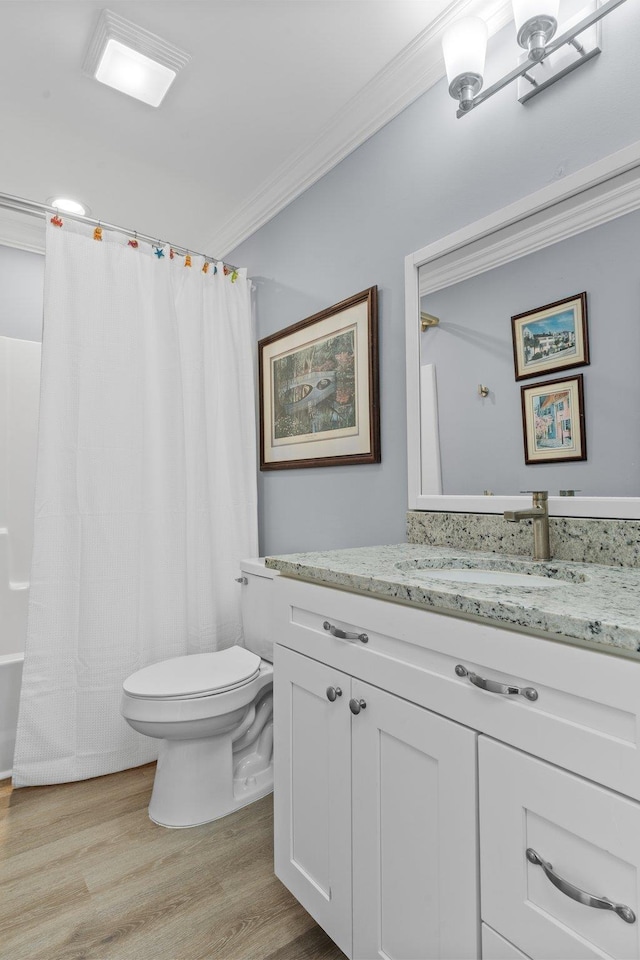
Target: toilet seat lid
x,y
196,675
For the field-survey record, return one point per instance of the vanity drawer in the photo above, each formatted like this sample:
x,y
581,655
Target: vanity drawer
x,y
586,712
495,947
589,838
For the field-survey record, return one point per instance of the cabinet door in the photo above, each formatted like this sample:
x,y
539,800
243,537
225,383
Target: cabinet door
x,y
589,840
312,790
415,885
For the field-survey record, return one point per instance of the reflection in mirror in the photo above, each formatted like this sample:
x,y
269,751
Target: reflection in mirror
x,y
481,437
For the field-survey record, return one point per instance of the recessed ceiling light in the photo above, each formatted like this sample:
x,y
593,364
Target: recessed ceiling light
x,y
132,60
67,205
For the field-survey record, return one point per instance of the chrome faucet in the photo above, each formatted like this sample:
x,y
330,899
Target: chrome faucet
x,y
539,513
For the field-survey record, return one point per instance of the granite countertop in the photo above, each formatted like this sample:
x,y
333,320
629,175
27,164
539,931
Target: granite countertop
x,y
584,602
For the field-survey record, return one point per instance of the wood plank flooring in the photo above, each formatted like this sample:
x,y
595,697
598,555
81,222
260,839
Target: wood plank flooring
x,y
85,875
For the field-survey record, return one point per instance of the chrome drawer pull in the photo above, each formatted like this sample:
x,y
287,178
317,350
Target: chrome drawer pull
x,y
601,903
344,634
333,692
356,706
530,693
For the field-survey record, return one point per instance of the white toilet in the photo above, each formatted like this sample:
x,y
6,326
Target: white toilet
x,y
214,715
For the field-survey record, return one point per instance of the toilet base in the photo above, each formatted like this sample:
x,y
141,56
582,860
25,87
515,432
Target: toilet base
x,y
262,790
194,782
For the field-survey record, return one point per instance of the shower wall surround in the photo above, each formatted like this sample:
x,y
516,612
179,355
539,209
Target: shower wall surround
x,y
19,404
21,282
576,539
21,293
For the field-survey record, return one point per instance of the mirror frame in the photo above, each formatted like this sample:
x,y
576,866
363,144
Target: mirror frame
x,y
594,195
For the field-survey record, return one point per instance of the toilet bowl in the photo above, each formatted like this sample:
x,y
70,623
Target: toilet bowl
x,y
213,713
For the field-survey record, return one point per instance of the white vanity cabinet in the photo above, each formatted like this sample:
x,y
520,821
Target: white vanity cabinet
x,y
366,836
312,766
414,829
546,837
470,746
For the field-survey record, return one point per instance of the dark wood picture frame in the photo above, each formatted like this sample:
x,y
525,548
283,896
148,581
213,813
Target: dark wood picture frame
x,y
551,338
319,388
554,427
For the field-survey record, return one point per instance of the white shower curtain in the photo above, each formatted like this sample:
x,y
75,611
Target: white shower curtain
x,y
145,490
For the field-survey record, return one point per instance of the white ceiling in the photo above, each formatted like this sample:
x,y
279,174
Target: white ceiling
x,y
276,93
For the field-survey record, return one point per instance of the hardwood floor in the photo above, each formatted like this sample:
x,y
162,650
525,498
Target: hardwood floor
x,y
85,874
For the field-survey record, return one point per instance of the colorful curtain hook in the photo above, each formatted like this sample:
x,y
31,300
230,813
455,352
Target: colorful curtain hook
x,y
234,276
97,233
187,260
159,252
56,220
171,253
205,267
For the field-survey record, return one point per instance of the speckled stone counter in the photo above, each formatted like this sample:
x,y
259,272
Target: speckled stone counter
x,y
579,539
584,603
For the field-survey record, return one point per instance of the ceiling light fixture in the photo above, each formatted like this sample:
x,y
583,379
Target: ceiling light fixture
x,y
545,61
67,205
132,60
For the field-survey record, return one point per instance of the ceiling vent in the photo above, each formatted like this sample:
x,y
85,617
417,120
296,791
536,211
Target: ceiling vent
x,y
132,60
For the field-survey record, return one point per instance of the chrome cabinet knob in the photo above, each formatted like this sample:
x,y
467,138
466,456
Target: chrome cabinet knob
x,y
241,580
333,692
356,706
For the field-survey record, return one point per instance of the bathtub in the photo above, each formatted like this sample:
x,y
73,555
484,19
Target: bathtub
x,y
10,680
19,400
13,631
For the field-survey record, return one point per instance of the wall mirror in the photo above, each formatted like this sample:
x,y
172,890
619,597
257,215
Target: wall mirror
x,y
466,444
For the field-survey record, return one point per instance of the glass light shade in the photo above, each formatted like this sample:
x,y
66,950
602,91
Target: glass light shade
x,y
464,45
525,10
133,73
67,205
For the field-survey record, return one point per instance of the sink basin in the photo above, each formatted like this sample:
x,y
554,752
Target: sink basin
x,y
487,571
498,578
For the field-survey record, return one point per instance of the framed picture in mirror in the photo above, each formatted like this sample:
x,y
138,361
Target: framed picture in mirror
x,y
319,388
553,421
551,338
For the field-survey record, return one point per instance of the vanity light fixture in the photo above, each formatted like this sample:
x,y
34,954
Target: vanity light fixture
x,y
464,46
132,60
536,23
547,58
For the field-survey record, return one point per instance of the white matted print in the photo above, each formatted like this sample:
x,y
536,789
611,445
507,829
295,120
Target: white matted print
x,y
553,421
319,388
551,338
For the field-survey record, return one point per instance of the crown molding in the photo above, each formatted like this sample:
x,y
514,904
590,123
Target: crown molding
x,y
409,75
581,202
568,222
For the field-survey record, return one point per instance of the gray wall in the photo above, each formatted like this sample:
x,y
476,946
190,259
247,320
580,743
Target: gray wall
x,y
481,442
421,177
21,293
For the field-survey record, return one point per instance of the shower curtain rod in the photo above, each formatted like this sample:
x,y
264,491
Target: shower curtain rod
x,y
34,209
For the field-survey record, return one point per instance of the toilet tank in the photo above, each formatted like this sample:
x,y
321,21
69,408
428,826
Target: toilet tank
x,y
256,607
